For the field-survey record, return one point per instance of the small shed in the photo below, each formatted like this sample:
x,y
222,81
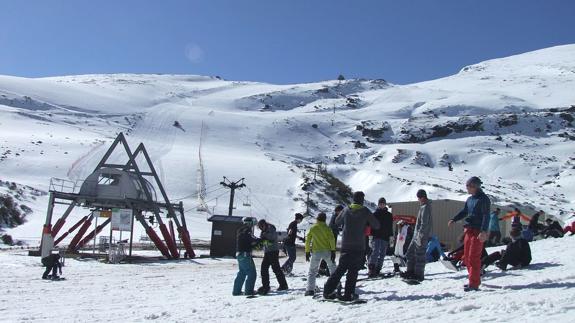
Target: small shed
x,y
224,235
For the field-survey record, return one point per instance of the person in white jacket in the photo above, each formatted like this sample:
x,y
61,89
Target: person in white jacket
x,y
416,251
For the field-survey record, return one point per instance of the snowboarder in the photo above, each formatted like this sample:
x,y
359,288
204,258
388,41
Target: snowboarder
x,y
476,215
380,238
494,230
354,219
247,269
269,239
416,250
434,251
534,224
289,243
516,221
53,264
517,253
553,229
323,268
319,245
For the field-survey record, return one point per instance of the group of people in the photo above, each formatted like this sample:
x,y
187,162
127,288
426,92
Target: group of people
x,y
352,221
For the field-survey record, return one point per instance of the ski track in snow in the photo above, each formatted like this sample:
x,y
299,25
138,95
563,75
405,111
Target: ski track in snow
x,y
200,290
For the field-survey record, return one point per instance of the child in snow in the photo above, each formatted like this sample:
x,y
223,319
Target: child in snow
x,y
247,269
354,219
476,215
494,230
319,245
517,253
553,229
269,239
52,263
416,251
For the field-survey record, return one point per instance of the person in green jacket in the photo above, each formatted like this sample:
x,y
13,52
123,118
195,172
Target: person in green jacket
x,y
319,245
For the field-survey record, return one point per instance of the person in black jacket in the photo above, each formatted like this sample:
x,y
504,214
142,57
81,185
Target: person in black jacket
x,y
517,253
269,240
247,269
553,229
289,243
52,263
380,238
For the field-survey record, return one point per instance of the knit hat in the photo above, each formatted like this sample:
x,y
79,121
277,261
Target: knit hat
x,y
382,200
298,216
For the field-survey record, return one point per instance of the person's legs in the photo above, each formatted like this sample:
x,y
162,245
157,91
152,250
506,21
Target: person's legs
x,y
275,263
382,253
473,259
241,276
491,259
264,271
313,268
251,273
335,278
420,260
288,264
351,277
410,256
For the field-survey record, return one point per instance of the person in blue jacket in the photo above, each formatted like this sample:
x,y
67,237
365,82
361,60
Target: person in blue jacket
x,y
494,229
475,214
434,251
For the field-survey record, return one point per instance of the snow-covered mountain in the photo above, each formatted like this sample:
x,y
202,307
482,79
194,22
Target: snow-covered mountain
x,y
508,120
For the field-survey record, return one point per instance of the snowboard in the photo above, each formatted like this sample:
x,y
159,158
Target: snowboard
x,y
448,264
54,280
380,276
411,281
338,301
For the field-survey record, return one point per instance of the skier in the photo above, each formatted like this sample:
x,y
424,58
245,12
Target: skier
x,y
269,239
289,243
416,250
319,245
354,219
494,230
52,263
517,253
380,238
245,243
434,251
476,215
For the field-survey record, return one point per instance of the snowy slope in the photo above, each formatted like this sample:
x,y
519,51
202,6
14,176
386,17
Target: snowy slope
x,y
184,291
506,120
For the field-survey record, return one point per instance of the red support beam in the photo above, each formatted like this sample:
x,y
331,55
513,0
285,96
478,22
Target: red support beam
x,y
185,236
158,242
80,234
93,234
169,241
70,230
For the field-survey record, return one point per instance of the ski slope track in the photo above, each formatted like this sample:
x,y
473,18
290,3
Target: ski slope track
x,y
508,120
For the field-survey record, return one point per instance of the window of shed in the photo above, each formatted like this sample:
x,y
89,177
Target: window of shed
x,y
109,179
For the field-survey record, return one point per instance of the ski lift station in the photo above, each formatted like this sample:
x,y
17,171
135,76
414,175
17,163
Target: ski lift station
x,y
121,194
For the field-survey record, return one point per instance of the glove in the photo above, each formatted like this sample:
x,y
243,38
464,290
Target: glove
x,y
307,256
333,256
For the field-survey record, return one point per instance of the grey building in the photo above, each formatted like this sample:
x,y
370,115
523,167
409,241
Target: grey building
x,y
443,211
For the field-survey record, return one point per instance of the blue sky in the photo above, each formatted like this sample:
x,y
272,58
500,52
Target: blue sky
x,y
274,41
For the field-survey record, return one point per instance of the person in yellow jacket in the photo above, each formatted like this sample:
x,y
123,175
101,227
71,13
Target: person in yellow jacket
x,y
319,245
